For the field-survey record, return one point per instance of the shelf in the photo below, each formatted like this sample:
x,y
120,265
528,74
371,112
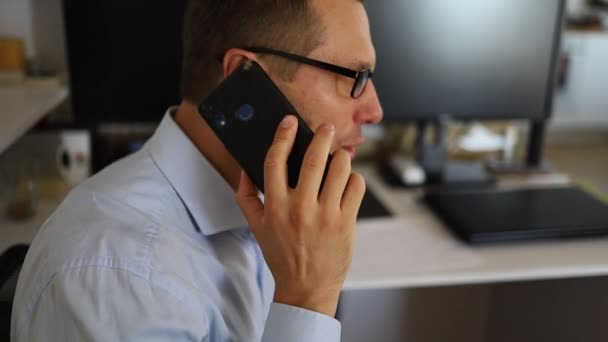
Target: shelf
x,y
21,107
590,30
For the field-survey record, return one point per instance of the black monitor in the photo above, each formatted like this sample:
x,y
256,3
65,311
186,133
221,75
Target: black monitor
x,y
443,60
471,59
124,59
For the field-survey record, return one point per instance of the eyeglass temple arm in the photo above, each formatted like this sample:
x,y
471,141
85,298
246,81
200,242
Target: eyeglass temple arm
x,y
319,64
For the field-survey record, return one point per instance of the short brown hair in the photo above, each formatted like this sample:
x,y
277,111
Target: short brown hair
x,y
211,27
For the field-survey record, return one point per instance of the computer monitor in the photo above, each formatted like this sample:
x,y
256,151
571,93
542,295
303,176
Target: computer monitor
x,y
441,60
471,59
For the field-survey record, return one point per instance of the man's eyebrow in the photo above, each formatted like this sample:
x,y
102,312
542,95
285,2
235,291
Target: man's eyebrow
x,y
357,64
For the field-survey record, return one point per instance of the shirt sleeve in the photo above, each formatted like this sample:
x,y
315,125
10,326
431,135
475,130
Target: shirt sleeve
x,y
289,323
93,304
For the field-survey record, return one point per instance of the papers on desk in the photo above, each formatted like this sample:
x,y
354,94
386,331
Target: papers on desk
x,y
406,252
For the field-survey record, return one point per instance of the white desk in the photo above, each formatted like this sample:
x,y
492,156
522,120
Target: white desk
x,y
414,249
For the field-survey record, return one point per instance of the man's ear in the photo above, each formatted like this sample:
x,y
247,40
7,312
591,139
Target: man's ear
x,y
233,58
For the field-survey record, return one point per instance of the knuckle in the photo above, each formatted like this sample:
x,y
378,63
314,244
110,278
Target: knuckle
x,y
299,215
273,219
341,161
295,217
327,219
272,160
314,161
273,216
281,138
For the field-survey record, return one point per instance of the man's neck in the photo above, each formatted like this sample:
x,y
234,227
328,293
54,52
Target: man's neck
x,y
201,135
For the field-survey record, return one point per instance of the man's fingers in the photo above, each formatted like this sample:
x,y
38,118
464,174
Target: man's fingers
x,y
248,200
337,177
275,165
315,159
353,195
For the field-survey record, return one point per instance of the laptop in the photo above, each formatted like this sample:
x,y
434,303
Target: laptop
x,y
484,216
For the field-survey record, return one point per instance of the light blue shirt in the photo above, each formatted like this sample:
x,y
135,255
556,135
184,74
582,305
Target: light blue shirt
x,y
154,248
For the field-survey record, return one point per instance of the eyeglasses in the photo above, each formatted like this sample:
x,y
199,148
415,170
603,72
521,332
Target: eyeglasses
x,y
361,77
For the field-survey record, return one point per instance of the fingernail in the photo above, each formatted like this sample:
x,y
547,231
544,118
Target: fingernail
x,y
288,121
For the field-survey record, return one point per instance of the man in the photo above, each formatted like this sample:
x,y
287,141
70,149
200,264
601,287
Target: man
x,y
155,247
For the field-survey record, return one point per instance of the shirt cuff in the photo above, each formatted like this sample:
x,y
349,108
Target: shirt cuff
x,y
290,323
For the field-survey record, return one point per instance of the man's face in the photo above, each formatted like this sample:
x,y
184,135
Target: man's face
x,y
321,96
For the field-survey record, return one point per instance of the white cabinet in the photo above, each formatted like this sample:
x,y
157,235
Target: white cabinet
x,y
583,102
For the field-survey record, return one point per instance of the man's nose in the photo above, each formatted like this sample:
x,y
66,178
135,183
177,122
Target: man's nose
x,y
371,110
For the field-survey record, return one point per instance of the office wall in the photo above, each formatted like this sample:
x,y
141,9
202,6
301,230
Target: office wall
x,y
40,24
583,102
49,35
16,20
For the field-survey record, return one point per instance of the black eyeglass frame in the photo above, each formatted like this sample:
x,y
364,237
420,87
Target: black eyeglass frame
x,y
361,77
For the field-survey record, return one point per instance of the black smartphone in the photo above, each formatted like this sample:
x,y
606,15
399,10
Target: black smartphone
x,y
245,111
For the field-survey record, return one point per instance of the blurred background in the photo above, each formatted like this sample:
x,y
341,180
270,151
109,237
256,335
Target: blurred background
x,y
477,95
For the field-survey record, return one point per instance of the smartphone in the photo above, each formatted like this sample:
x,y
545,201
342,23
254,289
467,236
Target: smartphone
x,y
245,111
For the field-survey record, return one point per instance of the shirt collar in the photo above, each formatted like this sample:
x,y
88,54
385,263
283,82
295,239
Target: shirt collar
x,y
206,194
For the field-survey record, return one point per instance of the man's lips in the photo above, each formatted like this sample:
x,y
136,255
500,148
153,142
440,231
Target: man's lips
x,y
352,151
351,146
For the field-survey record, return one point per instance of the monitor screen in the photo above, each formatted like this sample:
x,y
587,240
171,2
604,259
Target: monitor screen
x,y
124,58
471,59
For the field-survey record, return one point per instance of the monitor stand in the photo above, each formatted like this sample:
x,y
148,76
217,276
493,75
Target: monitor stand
x,y
440,171
534,160
433,158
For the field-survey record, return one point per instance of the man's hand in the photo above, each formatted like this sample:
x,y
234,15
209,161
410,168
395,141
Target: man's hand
x,y
306,236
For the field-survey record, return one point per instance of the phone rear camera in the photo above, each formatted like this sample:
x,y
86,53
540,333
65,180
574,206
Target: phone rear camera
x,y
245,113
219,119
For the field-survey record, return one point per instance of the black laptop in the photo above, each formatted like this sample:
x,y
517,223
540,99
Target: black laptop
x,y
496,216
